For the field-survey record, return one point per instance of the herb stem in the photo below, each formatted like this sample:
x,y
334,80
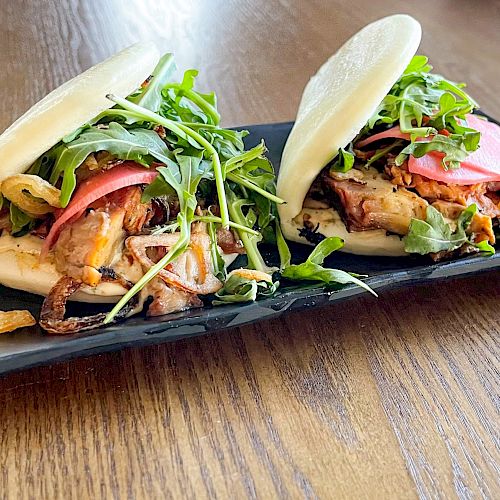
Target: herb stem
x,y
380,153
250,185
198,100
181,129
177,249
206,218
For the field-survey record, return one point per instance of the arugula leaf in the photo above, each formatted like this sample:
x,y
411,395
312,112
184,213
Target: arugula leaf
x,y
435,234
137,145
344,161
157,189
485,247
183,130
151,97
452,147
243,289
21,221
283,250
250,241
217,260
253,171
312,269
179,99
419,94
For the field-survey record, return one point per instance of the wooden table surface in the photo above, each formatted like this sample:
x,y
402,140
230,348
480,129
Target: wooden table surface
x,y
395,397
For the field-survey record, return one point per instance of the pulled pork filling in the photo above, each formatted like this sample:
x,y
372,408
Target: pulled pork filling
x,y
111,241
385,196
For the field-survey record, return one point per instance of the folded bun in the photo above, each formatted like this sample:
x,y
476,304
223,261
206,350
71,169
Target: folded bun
x,y
336,104
72,105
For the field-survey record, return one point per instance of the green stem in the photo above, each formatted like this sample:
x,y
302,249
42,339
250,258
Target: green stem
x,y
250,185
198,100
206,218
180,129
176,250
382,152
255,260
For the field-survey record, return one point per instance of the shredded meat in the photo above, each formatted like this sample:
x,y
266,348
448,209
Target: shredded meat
x,y
481,225
367,201
481,194
227,241
137,214
167,300
89,243
43,227
95,163
94,239
493,186
191,271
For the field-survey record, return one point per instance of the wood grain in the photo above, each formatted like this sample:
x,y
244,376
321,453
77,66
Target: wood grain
x,y
395,397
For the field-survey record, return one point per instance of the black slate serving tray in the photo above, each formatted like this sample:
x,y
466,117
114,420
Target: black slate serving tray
x,y
30,347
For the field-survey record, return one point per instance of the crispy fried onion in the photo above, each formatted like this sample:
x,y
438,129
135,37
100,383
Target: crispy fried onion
x,y
31,194
54,308
190,272
12,320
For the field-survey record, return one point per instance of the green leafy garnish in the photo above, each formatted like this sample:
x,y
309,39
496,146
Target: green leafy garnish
x,y
344,161
485,247
420,96
452,146
179,99
192,137
184,178
21,221
242,289
217,260
435,234
139,145
313,270
237,206
151,97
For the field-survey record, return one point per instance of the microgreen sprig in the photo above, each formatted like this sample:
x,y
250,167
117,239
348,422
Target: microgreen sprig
x,y
182,130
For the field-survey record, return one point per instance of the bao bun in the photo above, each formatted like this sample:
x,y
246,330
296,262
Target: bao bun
x,y
336,104
68,107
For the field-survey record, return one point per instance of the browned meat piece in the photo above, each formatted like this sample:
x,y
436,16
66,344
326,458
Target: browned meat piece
x,y
368,201
191,272
90,243
483,195
168,300
227,241
96,162
434,190
481,225
43,227
94,240
137,214
482,228
485,203
493,186
399,176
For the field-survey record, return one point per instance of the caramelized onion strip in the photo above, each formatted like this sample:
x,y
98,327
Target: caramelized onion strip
x,y
191,272
52,318
31,193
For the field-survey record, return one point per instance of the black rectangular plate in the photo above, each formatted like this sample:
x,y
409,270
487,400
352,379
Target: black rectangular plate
x,y
29,347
